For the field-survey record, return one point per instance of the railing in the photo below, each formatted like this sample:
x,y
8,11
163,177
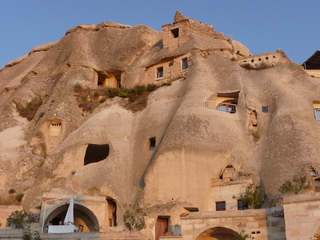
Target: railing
x,y
223,107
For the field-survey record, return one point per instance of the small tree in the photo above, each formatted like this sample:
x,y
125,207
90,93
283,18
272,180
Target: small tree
x,y
134,217
295,185
252,196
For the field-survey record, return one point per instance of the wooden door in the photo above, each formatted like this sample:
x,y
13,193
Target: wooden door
x,y
161,227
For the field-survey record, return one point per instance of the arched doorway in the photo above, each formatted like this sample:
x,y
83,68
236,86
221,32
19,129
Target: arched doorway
x,y
217,233
82,216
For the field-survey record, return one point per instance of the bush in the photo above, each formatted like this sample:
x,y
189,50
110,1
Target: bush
x,y
252,196
31,108
296,185
89,99
21,219
102,100
11,191
151,87
139,89
113,92
134,218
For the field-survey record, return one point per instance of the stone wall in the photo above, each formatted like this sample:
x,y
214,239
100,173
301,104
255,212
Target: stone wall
x,y
15,234
261,60
172,70
262,224
302,215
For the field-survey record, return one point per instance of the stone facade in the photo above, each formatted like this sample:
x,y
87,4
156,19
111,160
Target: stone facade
x,y
302,216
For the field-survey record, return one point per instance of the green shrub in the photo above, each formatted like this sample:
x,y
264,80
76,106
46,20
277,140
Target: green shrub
x,y
21,219
252,196
96,94
113,92
30,109
89,99
123,92
296,185
11,191
151,87
134,217
139,89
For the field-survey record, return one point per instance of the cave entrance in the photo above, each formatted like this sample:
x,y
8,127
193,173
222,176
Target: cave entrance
x,y
96,153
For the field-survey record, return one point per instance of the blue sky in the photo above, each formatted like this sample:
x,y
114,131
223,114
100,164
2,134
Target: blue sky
x,y
261,25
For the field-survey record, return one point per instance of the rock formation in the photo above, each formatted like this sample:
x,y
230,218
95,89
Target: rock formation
x,y
219,115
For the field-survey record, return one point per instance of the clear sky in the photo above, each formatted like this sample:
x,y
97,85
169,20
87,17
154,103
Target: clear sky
x,y
261,25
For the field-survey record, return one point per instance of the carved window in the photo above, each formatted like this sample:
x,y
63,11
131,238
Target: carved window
x,y
317,113
175,32
221,206
265,109
227,102
160,72
185,63
152,143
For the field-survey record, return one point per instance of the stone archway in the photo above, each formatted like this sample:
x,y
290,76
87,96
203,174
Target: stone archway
x,y
82,216
217,233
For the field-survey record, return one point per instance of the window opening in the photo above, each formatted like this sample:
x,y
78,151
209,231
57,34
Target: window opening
x,y
185,63
175,32
242,205
221,206
160,72
265,109
96,153
152,143
227,102
102,76
316,106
